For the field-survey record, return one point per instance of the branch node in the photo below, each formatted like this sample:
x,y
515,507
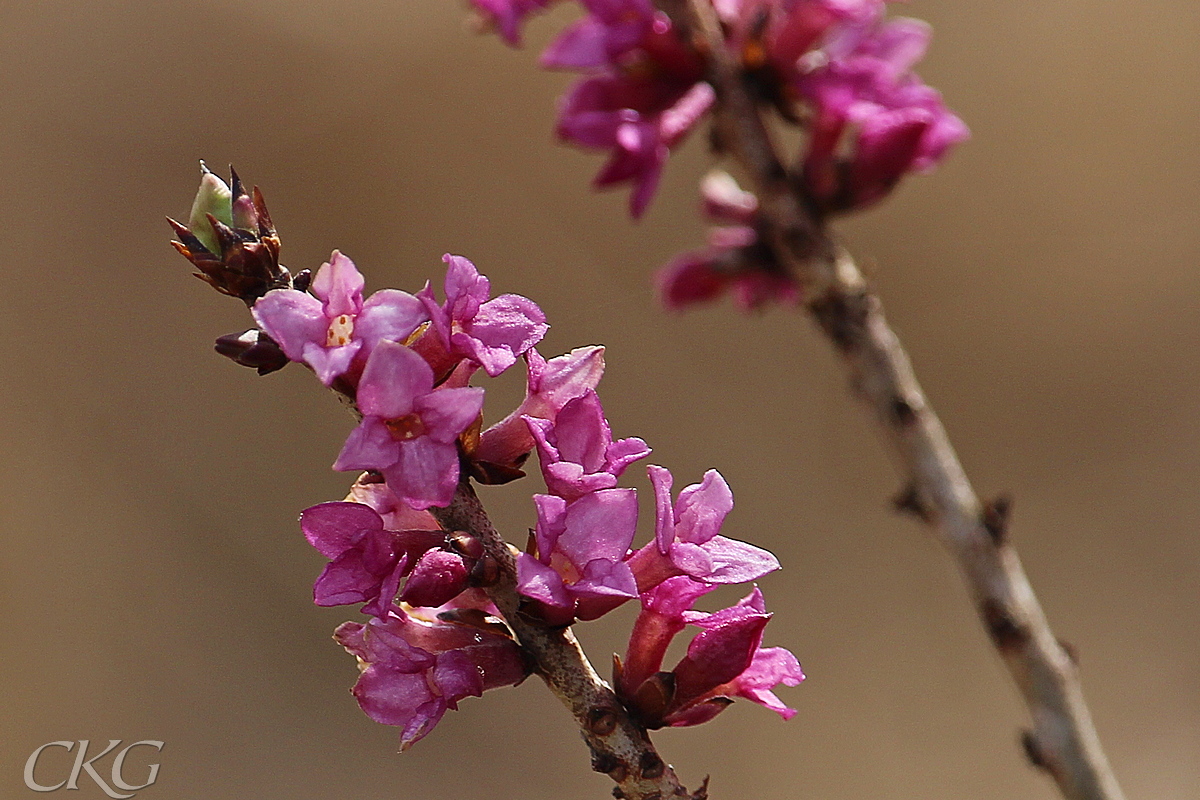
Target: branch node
x,y
908,501
606,763
843,317
601,721
996,514
1005,631
651,766
904,413
1033,750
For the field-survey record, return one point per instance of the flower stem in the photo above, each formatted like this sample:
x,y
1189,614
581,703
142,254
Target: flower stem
x,y
1063,740
620,747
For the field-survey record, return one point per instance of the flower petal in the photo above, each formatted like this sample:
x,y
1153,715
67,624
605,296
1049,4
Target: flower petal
x,y
394,378
369,446
333,528
293,319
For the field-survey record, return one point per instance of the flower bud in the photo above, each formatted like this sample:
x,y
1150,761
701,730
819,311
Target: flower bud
x,y
214,197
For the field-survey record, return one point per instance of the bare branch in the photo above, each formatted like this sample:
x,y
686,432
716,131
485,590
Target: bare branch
x,y
1063,740
620,747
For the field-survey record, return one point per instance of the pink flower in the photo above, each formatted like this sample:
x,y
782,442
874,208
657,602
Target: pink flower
x,y
611,29
638,120
415,669
578,569
329,330
723,661
687,537
778,33
368,562
577,452
549,386
409,430
493,333
868,102
509,15
645,94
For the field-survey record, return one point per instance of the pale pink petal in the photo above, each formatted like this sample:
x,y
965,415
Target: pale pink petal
x,y
600,525
339,284
447,412
501,331
425,474
369,446
702,508
333,528
664,514
293,319
394,378
388,314
330,362
536,580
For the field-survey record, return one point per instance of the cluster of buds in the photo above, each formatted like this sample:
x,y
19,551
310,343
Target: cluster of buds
x,y
836,68
432,634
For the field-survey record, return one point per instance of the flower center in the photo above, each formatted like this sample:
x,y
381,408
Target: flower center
x,y
340,331
405,428
565,569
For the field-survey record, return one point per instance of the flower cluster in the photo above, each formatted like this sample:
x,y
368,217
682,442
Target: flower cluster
x,y
836,68
433,636
581,564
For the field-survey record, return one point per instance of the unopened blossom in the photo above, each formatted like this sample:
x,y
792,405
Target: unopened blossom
x,y
687,537
579,569
725,660
332,326
367,561
415,669
409,430
874,119
577,452
231,241
214,197
736,261
549,386
252,348
494,332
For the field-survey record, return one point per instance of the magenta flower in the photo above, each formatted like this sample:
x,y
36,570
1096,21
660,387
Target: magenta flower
x,y
509,15
687,537
579,569
725,660
549,386
611,29
869,102
367,562
493,333
638,120
329,330
409,430
415,669
577,452
779,33
736,259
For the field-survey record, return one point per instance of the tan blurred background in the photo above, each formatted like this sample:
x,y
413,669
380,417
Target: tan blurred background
x,y
1047,281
